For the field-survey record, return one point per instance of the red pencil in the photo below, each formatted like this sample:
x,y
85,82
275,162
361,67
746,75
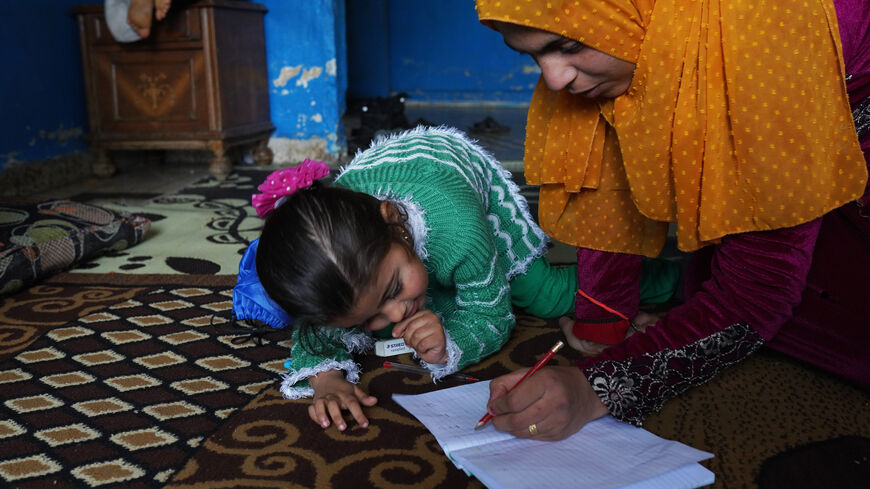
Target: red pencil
x,y
422,371
486,417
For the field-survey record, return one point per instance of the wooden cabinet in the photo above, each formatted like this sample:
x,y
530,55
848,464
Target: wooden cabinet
x,y
198,81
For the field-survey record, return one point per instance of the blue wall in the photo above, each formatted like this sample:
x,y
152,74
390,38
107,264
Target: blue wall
x,y
42,95
306,52
368,38
437,52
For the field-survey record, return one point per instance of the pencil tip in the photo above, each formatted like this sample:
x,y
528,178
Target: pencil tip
x,y
479,425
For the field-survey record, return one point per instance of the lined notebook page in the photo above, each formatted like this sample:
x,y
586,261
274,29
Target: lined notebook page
x,y
604,454
450,414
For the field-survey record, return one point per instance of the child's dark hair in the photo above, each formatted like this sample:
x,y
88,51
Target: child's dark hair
x,y
319,248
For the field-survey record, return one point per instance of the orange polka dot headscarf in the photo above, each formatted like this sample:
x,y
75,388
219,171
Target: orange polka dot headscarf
x,y
736,120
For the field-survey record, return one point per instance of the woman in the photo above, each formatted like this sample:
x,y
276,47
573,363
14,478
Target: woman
x,y
732,121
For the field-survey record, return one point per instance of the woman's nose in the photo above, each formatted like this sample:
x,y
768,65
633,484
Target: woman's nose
x,y
556,75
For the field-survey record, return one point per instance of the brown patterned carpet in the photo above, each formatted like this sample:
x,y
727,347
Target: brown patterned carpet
x,y
121,380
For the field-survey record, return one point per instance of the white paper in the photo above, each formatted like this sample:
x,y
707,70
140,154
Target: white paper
x,y
604,454
451,414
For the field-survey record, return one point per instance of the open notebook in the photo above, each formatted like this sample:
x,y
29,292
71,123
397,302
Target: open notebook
x,y
604,454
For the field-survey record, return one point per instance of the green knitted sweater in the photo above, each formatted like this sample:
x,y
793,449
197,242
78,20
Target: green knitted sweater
x,y
472,230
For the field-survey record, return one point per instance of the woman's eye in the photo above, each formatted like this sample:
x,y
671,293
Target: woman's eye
x,y
571,47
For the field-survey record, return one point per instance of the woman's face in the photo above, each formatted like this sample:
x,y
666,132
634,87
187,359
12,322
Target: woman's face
x,y
397,292
570,65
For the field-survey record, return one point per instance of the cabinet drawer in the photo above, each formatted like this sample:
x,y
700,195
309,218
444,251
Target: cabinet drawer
x,y
183,26
161,94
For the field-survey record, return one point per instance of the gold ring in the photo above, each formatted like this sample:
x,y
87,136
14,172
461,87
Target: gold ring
x,y
533,429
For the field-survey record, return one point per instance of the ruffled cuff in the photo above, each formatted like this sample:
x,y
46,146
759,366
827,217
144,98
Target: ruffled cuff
x,y
439,370
356,341
295,384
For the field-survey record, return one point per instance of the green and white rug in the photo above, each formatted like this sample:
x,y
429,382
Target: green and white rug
x,y
205,228
202,229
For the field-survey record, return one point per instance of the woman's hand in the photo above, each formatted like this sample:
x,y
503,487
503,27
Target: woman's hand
x,y
424,333
585,347
332,394
588,348
558,401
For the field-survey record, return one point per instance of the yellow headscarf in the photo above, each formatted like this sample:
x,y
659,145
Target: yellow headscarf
x,y
737,119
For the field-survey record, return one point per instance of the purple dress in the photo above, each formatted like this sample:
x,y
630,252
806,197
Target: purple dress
x,y
803,291
829,328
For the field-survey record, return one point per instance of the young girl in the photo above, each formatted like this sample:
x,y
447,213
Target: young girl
x,y
424,232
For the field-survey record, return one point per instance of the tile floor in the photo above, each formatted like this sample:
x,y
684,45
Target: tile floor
x,y
144,177
506,146
138,178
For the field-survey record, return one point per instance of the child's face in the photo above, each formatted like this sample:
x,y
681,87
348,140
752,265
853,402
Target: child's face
x,y
398,292
570,65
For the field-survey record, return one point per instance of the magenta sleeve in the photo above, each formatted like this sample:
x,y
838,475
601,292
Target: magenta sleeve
x,y
754,282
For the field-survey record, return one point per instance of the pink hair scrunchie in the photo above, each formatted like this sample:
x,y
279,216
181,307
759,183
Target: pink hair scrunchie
x,y
284,182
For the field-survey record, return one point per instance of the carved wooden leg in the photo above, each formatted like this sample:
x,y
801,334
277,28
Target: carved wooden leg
x,y
103,166
262,154
220,166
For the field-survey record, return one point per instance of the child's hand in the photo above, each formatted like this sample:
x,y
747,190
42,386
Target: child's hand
x,y
424,333
332,394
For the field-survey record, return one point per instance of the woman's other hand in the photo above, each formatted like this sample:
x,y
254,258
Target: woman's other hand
x,y
332,394
588,348
558,401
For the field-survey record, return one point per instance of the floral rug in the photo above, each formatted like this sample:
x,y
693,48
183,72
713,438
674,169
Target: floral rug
x,y
123,374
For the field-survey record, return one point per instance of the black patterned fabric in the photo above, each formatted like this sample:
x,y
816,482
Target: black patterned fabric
x,y
635,387
43,238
